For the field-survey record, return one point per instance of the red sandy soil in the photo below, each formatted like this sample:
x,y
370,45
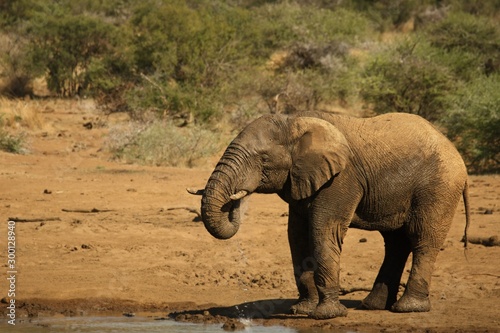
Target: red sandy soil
x,y
137,254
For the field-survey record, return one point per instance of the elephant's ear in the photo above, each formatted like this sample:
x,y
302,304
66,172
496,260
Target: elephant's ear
x,y
320,152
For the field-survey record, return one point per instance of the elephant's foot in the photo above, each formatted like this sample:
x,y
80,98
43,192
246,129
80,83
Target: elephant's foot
x,y
412,304
374,302
304,306
378,299
329,309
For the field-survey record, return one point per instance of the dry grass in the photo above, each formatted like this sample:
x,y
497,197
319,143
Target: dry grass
x,y
22,118
162,143
18,113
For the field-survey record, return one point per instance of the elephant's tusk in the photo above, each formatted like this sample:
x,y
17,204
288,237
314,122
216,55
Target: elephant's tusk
x,y
195,192
237,196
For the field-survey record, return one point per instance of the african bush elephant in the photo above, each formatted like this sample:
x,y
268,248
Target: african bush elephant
x,y
394,173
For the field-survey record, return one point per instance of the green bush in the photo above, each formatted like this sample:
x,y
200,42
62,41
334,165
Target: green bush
x,y
187,56
189,45
473,123
476,7
405,79
64,46
286,24
11,143
291,89
316,68
466,43
387,14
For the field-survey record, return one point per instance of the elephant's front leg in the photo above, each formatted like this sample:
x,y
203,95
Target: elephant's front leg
x,y
327,248
304,263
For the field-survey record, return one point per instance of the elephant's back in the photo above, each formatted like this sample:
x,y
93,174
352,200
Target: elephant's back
x,y
405,142
415,136
398,140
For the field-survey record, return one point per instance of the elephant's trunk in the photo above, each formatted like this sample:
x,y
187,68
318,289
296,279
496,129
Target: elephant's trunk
x,y
220,205
221,220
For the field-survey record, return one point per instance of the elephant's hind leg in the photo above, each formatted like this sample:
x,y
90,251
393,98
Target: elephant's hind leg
x,y
386,286
416,295
427,243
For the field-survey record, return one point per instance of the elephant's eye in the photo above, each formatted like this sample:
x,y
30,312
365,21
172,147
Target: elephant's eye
x,y
265,178
265,158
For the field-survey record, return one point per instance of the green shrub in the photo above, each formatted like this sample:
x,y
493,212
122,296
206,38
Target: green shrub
x,y
191,46
64,45
188,55
162,143
310,89
473,123
11,143
476,7
466,43
170,100
405,79
316,68
386,14
287,23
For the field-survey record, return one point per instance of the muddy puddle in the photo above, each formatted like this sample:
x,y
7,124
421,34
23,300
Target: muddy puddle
x,y
131,325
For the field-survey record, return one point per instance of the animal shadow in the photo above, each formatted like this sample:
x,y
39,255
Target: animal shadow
x,y
263,309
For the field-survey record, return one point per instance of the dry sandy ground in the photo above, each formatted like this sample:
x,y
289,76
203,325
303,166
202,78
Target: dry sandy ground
x,y
135,254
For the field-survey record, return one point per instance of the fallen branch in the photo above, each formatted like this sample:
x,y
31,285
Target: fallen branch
x,y
36,219
93,210
486,241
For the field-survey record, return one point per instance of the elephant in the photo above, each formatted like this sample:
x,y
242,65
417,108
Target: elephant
x,y
394,173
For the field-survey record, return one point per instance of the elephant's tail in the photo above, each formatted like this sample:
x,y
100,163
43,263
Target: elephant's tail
x,y
465,195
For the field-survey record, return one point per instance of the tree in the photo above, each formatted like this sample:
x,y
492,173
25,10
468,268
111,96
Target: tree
x,y
64,46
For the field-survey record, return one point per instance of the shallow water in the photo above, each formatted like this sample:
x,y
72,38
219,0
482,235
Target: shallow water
x,y
125,325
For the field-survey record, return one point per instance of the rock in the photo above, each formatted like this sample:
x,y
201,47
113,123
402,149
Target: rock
x,y
233,325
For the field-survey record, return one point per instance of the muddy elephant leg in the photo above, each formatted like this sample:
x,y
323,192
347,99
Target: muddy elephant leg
x,y
385,289
426,244
303,263
416,295
327,248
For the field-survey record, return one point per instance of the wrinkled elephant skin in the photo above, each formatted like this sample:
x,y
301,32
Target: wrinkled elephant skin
x,y
393,173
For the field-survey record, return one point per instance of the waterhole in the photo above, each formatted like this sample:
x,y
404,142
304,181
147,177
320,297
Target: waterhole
x,y
125,325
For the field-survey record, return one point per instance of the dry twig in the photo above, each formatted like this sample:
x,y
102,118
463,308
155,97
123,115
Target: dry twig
x,y
93,210
36,219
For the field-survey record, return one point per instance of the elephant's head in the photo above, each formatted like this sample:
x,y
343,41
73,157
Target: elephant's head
x,y
274,151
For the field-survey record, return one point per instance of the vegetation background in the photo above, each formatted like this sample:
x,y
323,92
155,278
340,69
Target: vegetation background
x,y
192,72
